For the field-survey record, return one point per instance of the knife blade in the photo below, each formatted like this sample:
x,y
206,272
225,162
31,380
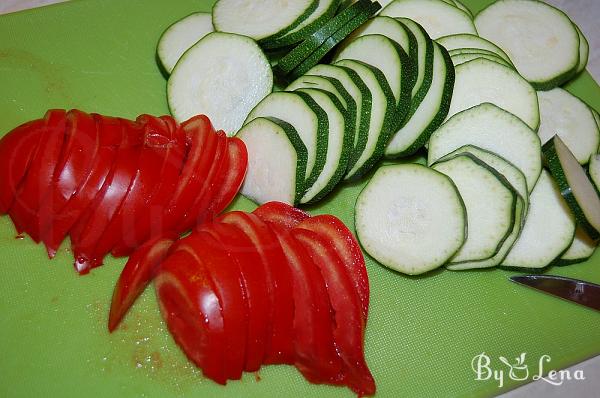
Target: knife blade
x,y
574,290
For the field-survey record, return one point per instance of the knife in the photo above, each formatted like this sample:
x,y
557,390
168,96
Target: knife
x,y
577,291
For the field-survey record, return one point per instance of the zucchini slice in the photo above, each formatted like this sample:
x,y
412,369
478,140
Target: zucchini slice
x,y
572,119
491,204
492,129
275,153
466,40
436,16
180,36
410,218
584,50
574,184
482,80
423,60
309,120
580,250
226,90
548,231
464,8
459,59
594,171
430,113
261,19
359,91
540,40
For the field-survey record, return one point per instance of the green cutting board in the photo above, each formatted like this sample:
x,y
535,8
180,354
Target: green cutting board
x,y
423,332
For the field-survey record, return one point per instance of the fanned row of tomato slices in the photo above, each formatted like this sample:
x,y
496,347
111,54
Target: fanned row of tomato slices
x,y
112,184
274,286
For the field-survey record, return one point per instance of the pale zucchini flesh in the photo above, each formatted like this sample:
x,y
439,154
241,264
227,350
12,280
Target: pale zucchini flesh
x,y
462,58
580,250
594,171
584,50
466,40
424,60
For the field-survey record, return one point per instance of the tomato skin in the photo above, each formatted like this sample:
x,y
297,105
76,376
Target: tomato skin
x,y
349,326
243,252
228,286
139,271
191,308
17,149
36,183
281,214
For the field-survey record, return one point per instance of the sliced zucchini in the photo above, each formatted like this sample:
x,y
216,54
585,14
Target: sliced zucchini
x,y
430,113
180,36
580,250
594,171
465,40
410,218
424,61
574,184
482,80
548,231
387,56
540,40
309,120
462,58
339,144
383,116
357,88
324,12
495,130
490,202
460,5
261,19
437,17
275,153
566,115
584,50
226,90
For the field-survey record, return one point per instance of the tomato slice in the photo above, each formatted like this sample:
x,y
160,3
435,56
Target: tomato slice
x,y
346,246
281,214
231,177
145,179
23,211
203,140
316,357
210,184
280,346
244,253
191,308
349,326
81,146
136,275
92,224
228,286
17,149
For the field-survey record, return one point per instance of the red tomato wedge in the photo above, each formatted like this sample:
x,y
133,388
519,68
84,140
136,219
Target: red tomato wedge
x,y
281,214
17,149
136,275
316,357
81,146
208,174
243,252
191,308
349,327
341,239
23,211
228,286
280,348
203,143
146,177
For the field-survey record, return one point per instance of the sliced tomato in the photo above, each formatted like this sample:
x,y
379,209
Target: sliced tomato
x,y
280,346
211,183
191,308
349,326
136,275
281,214
346,246
81,145
229,288
203,143
245,254
23,211
92,224
231,177
314,347
17,149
